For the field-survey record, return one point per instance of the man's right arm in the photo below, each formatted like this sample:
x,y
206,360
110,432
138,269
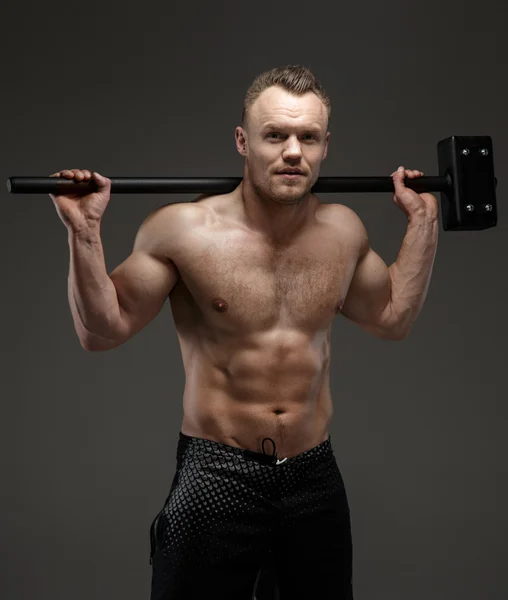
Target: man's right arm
x,y
109,310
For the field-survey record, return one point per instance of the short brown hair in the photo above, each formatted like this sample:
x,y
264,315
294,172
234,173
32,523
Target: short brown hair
x,y
295,79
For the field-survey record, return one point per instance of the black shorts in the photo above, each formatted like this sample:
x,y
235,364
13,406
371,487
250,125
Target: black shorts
x,y
234,514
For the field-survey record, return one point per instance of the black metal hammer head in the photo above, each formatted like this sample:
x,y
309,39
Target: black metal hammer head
x,y
470,204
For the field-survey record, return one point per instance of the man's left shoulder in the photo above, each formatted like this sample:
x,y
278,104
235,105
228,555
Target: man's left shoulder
x,y
345,220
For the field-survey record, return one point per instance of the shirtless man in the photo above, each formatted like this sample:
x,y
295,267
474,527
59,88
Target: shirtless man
x,y
255,279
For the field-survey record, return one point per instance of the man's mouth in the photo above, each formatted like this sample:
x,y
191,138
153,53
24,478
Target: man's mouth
x,y
290,173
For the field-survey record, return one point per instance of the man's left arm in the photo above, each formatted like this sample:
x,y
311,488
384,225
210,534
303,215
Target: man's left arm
x,y
386,301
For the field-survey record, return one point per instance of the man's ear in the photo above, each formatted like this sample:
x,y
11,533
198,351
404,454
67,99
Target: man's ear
x,y
327,140
241,140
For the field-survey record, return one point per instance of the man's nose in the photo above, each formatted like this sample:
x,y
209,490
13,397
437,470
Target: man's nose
x,y
293,150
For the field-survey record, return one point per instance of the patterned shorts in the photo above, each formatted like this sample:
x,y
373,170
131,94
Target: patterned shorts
x,y
234,514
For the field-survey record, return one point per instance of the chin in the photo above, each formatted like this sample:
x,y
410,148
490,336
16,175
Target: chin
x,y
281,192
289,194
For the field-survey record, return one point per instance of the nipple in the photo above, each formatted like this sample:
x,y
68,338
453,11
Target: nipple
x,y
220,305
340,305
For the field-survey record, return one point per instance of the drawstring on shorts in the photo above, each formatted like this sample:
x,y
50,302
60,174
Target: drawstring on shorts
x,y
274,454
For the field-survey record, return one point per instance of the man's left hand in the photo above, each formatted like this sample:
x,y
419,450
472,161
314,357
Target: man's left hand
x,y
413,205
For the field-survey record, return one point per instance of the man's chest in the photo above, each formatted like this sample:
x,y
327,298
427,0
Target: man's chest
x,y
234,277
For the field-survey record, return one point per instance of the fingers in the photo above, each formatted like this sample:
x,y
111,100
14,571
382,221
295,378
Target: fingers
x,y
413,174
78,174
409,173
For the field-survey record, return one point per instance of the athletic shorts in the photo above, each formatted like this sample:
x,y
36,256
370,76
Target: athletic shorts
x,y
234,518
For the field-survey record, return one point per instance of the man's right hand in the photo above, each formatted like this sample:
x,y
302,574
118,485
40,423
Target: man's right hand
x,y
81,212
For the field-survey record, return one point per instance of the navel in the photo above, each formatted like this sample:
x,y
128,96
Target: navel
x,y
220,305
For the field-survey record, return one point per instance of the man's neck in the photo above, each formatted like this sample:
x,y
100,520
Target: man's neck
x,y
275,221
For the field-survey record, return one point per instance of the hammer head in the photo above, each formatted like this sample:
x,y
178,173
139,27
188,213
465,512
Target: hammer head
x,y
470,203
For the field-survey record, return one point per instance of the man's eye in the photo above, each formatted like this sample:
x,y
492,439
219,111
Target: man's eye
x,y
306,136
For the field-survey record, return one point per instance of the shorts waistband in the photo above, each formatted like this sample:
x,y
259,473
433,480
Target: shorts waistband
x,y
197,444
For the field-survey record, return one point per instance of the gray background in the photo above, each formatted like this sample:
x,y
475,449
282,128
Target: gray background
x,y
88,440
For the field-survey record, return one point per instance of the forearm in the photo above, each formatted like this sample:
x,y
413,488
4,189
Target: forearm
x,y
92,295
410,274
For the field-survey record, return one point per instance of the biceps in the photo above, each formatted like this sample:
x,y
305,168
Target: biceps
x,y
143,282
368,299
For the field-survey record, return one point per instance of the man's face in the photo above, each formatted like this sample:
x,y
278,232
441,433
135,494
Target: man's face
x,y
284,131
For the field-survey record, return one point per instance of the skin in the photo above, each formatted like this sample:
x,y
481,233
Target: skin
x,y
273,205
260,338
257,278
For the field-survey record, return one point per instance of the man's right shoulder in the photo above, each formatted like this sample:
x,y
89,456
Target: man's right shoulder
x,y
176,214
167,223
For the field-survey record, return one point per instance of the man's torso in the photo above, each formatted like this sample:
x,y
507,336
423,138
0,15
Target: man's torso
x,y
254,323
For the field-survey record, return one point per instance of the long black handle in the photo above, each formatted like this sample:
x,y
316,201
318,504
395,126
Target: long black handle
x,y
221,185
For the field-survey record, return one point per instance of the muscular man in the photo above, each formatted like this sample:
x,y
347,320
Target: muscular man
x,y
255,279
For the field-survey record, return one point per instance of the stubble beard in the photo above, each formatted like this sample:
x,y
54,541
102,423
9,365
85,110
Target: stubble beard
x,y
286,194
